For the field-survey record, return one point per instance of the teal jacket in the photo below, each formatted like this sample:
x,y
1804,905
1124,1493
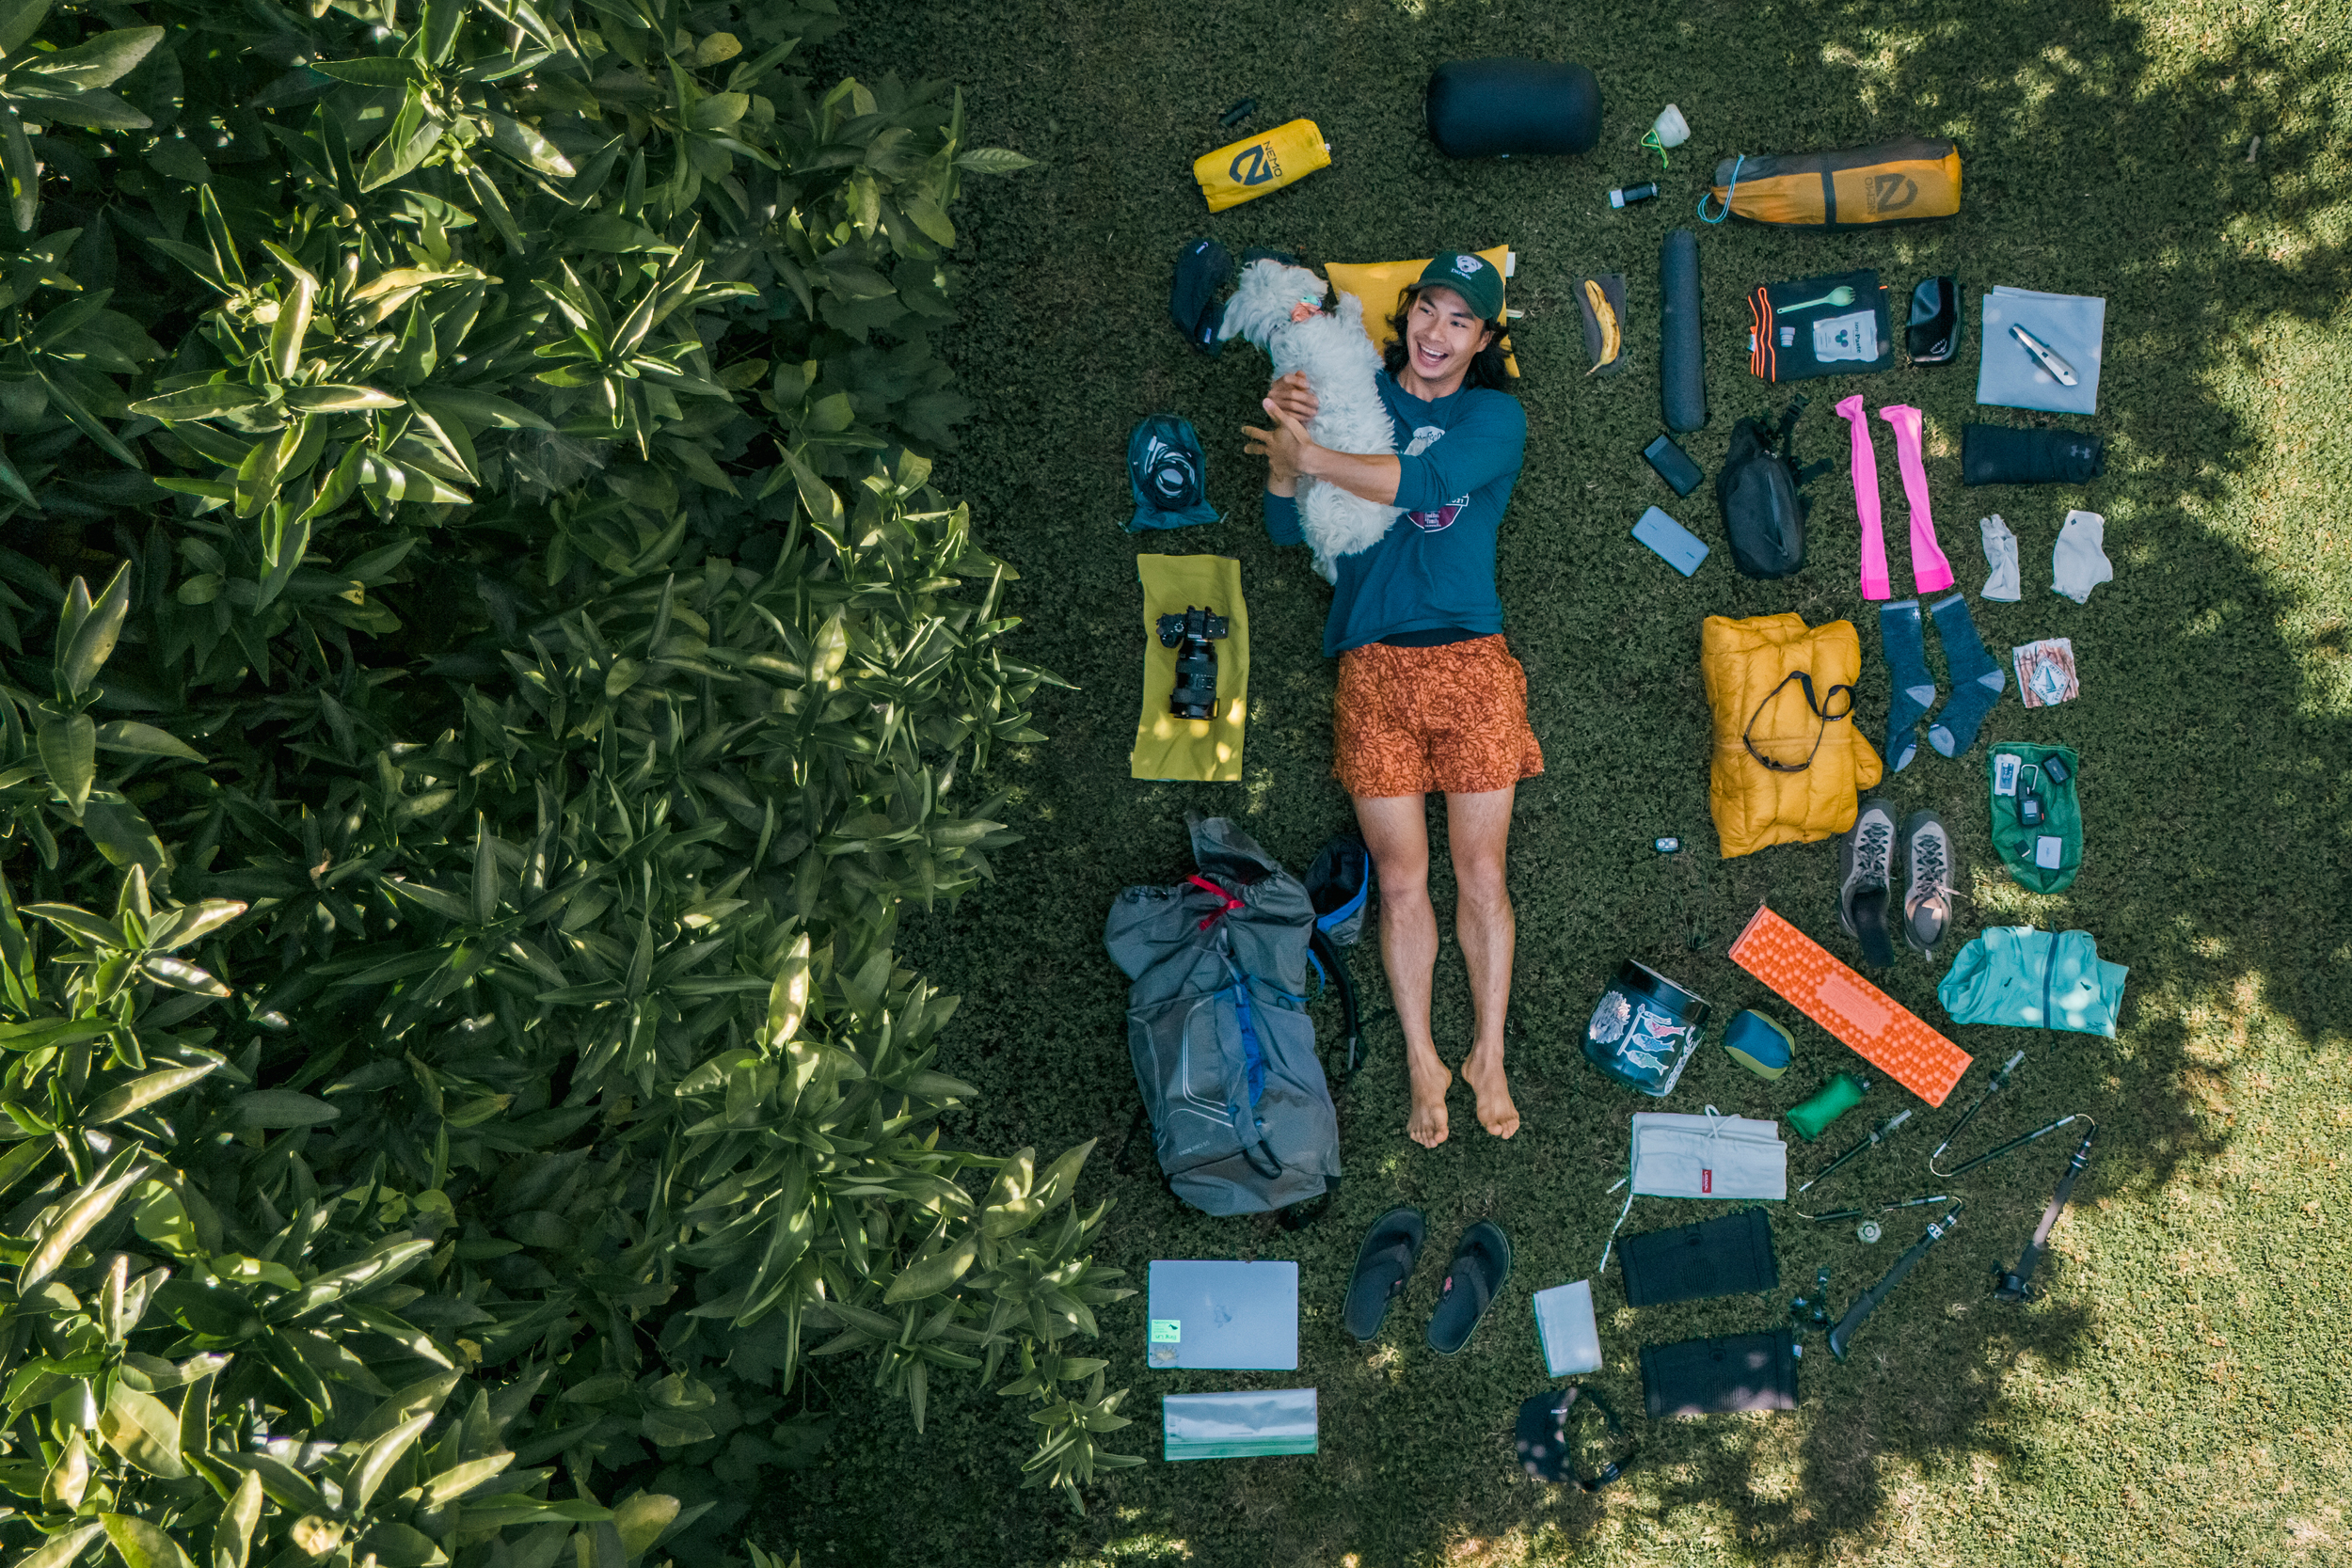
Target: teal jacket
x,y
2034,980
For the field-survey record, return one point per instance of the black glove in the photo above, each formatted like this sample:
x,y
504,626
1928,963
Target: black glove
x,y
1998,454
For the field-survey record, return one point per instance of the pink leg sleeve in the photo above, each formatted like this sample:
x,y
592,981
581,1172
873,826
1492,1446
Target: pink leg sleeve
x,y
1929,572
1876,584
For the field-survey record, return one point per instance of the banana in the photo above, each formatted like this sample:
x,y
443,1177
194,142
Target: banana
x,y
1611,339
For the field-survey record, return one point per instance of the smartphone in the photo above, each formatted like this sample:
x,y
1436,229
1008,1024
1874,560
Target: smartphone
x,y
1676,545
1674,465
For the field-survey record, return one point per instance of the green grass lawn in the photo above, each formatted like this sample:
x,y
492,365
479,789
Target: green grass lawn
x,y
2179,1395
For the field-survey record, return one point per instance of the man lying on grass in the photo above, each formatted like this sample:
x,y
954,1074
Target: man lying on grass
x,y
1429,698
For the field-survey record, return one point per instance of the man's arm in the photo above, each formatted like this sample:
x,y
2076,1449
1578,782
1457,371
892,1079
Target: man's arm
x,y
1289,453
1488,444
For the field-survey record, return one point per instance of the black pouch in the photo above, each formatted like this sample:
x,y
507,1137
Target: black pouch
x,y
2002,454
1759,492
1726,1257
1712,1377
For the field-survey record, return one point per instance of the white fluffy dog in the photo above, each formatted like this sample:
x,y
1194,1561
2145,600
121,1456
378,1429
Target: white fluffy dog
x,y
1340,361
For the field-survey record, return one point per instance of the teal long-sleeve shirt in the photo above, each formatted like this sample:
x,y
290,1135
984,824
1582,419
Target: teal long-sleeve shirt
x,y
2034,980
1458,458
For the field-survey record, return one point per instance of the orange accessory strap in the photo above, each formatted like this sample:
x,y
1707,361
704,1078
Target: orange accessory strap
x,y
1881,1030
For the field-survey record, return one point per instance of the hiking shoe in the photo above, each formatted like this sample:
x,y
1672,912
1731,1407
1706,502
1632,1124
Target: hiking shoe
x,y
1928,888
1866,874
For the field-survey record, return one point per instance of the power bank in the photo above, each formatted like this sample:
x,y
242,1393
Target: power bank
x,y
1677,545
1674,465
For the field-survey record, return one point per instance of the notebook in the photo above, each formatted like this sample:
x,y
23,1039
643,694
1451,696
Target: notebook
x,y
1217,1314
1563,1322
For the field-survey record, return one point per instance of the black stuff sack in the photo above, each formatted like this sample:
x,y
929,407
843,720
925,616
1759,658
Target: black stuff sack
x,y
1760,490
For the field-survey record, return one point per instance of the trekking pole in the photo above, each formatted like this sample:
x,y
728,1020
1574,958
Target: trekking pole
x,y
1842,1336
2000,1081
1878,1135
2013,1146
2016,1285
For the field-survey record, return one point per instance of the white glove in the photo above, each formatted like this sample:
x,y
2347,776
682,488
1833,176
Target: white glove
x,y
2000,553
2079,563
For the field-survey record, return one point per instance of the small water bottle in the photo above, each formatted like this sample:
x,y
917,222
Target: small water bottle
x,y
1626,195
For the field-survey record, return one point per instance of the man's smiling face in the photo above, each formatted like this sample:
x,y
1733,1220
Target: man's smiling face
x,y
1442,334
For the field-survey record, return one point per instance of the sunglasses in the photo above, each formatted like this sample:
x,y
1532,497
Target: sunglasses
x,y
1934,333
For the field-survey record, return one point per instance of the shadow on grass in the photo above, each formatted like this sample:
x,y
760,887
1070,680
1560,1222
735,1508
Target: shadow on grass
x,y
2107,153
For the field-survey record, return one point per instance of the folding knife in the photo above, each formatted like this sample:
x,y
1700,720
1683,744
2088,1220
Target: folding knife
x,y
2043,354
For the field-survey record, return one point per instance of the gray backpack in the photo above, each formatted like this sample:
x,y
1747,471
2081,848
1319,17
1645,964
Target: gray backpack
x,y
1217,1025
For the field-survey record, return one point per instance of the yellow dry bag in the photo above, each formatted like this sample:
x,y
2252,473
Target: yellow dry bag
x,y
1249,170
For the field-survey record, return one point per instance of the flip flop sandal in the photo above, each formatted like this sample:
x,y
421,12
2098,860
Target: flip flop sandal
x,y
1383,1264
1482,1262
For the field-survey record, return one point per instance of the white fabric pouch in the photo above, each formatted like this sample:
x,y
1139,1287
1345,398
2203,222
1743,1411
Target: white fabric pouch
x,y
1708,1156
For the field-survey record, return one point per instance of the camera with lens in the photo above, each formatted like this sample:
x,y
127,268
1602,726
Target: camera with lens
x,y
1190,633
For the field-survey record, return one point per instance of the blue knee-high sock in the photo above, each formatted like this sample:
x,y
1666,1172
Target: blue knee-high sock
x,y
1977,680
1905,642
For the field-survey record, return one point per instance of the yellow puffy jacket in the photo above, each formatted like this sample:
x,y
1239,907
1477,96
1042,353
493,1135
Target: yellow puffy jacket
x,y
1819,760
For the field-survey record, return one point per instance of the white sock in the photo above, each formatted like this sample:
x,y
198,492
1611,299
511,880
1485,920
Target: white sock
x,y
2079,563
2000,553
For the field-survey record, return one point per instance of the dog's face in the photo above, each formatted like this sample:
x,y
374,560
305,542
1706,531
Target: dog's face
x,y
1264,304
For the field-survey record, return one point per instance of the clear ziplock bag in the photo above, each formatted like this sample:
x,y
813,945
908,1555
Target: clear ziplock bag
x,y
1238,1425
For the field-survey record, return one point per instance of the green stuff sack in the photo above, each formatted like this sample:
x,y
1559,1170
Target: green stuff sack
x,y
1833,1099
2043,859
1896,182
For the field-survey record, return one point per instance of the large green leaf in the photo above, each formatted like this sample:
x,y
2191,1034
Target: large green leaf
x,y
100,62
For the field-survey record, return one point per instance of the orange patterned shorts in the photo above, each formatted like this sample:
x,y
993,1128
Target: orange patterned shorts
x,y
1451,719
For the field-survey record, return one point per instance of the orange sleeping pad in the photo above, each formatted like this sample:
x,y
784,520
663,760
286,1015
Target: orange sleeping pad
x,y
1881,1030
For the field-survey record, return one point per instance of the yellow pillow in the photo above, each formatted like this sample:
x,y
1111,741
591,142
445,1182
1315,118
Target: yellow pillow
x,y
1381,284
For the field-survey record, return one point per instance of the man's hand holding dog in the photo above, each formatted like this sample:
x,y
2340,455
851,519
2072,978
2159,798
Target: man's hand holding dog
x,y
1290,452
1292,405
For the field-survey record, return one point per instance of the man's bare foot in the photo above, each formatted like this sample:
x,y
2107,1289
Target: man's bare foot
x,y
1430,1082
1484,1074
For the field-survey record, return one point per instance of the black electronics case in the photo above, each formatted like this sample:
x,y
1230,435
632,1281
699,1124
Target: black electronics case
x,y
1724,1257
1712,1377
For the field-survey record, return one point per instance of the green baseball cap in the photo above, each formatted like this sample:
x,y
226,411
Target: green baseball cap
x,y
1473,278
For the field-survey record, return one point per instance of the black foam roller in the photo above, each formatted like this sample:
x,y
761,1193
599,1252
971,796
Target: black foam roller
x,y
1488,108
1681,360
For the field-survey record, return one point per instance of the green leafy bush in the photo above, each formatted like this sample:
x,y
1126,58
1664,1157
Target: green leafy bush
x,y
457,1066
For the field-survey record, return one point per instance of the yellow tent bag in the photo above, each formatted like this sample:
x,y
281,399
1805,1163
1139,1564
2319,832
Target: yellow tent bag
x,y
1789,763
1896,182
1250,169
1381,284
1167,746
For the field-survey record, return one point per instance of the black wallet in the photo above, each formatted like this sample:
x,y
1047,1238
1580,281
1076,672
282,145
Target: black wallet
x,y
1692,1262
1674,465
1712,1377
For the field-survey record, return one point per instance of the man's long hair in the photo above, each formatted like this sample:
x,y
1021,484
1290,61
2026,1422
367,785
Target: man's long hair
x,y
1486,367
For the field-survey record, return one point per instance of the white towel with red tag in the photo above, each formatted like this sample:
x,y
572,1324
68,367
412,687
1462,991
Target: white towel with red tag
x,y
1708,1156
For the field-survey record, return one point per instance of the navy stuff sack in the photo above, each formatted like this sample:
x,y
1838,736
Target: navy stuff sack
x,y
1223,1050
